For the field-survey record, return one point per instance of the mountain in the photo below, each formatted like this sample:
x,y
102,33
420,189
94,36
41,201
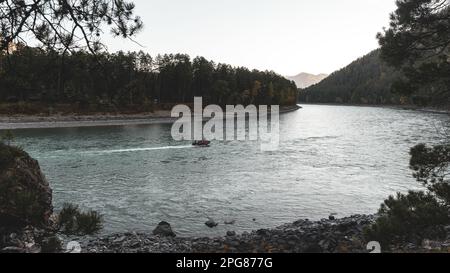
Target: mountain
x,y
304,80
365,81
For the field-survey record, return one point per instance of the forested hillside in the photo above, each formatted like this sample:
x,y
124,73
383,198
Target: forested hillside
x,y
366,81
82,81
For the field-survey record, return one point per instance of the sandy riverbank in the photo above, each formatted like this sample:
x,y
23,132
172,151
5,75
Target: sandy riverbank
x,y
68,121
96,120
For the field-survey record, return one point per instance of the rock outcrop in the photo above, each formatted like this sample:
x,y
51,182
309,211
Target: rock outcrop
x,y
25,194
25,204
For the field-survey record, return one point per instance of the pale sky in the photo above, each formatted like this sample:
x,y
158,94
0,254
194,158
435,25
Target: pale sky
x,y
287,36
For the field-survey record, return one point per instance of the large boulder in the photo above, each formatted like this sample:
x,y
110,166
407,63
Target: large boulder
x,y
25,194
164,229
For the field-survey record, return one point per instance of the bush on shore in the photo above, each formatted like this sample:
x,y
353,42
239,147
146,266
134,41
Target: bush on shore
x,y
417,215
409,218
73,221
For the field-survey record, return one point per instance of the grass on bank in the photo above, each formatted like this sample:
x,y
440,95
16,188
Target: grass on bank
x,y
73,221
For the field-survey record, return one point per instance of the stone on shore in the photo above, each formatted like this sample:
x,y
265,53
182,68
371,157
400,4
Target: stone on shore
x,y
164,229
211,223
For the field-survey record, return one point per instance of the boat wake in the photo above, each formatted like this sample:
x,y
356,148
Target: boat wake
x,y
131,150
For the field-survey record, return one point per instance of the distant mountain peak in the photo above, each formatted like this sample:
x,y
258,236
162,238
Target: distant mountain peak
x,y
304,80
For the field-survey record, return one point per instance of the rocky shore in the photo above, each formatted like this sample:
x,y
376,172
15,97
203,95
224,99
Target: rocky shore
x,y
326,236
304,236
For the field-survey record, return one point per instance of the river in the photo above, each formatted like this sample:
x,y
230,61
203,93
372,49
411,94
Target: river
x,y
332,159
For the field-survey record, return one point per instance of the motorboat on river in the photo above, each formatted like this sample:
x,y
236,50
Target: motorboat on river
x,y
201,143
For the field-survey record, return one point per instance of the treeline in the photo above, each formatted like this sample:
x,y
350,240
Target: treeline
x,y
366,81
134,80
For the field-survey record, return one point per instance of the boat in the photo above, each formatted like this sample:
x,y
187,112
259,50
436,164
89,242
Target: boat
x,y
201,143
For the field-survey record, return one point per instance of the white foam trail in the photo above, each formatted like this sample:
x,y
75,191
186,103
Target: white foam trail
x,y
138,150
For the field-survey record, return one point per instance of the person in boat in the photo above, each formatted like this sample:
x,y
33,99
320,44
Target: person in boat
x,y
201,143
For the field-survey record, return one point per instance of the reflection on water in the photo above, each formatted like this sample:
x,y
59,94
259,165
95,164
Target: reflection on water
x,y
332,159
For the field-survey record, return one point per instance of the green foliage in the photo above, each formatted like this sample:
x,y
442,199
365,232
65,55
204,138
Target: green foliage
x,y
430,164
431,167
418,43
89,222
418,215
71,220
442,191
365,81
66,25
81,82
67,218
409,218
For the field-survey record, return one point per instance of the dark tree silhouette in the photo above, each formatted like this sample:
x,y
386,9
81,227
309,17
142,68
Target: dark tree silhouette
x,y
66,24
33,79
418,41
